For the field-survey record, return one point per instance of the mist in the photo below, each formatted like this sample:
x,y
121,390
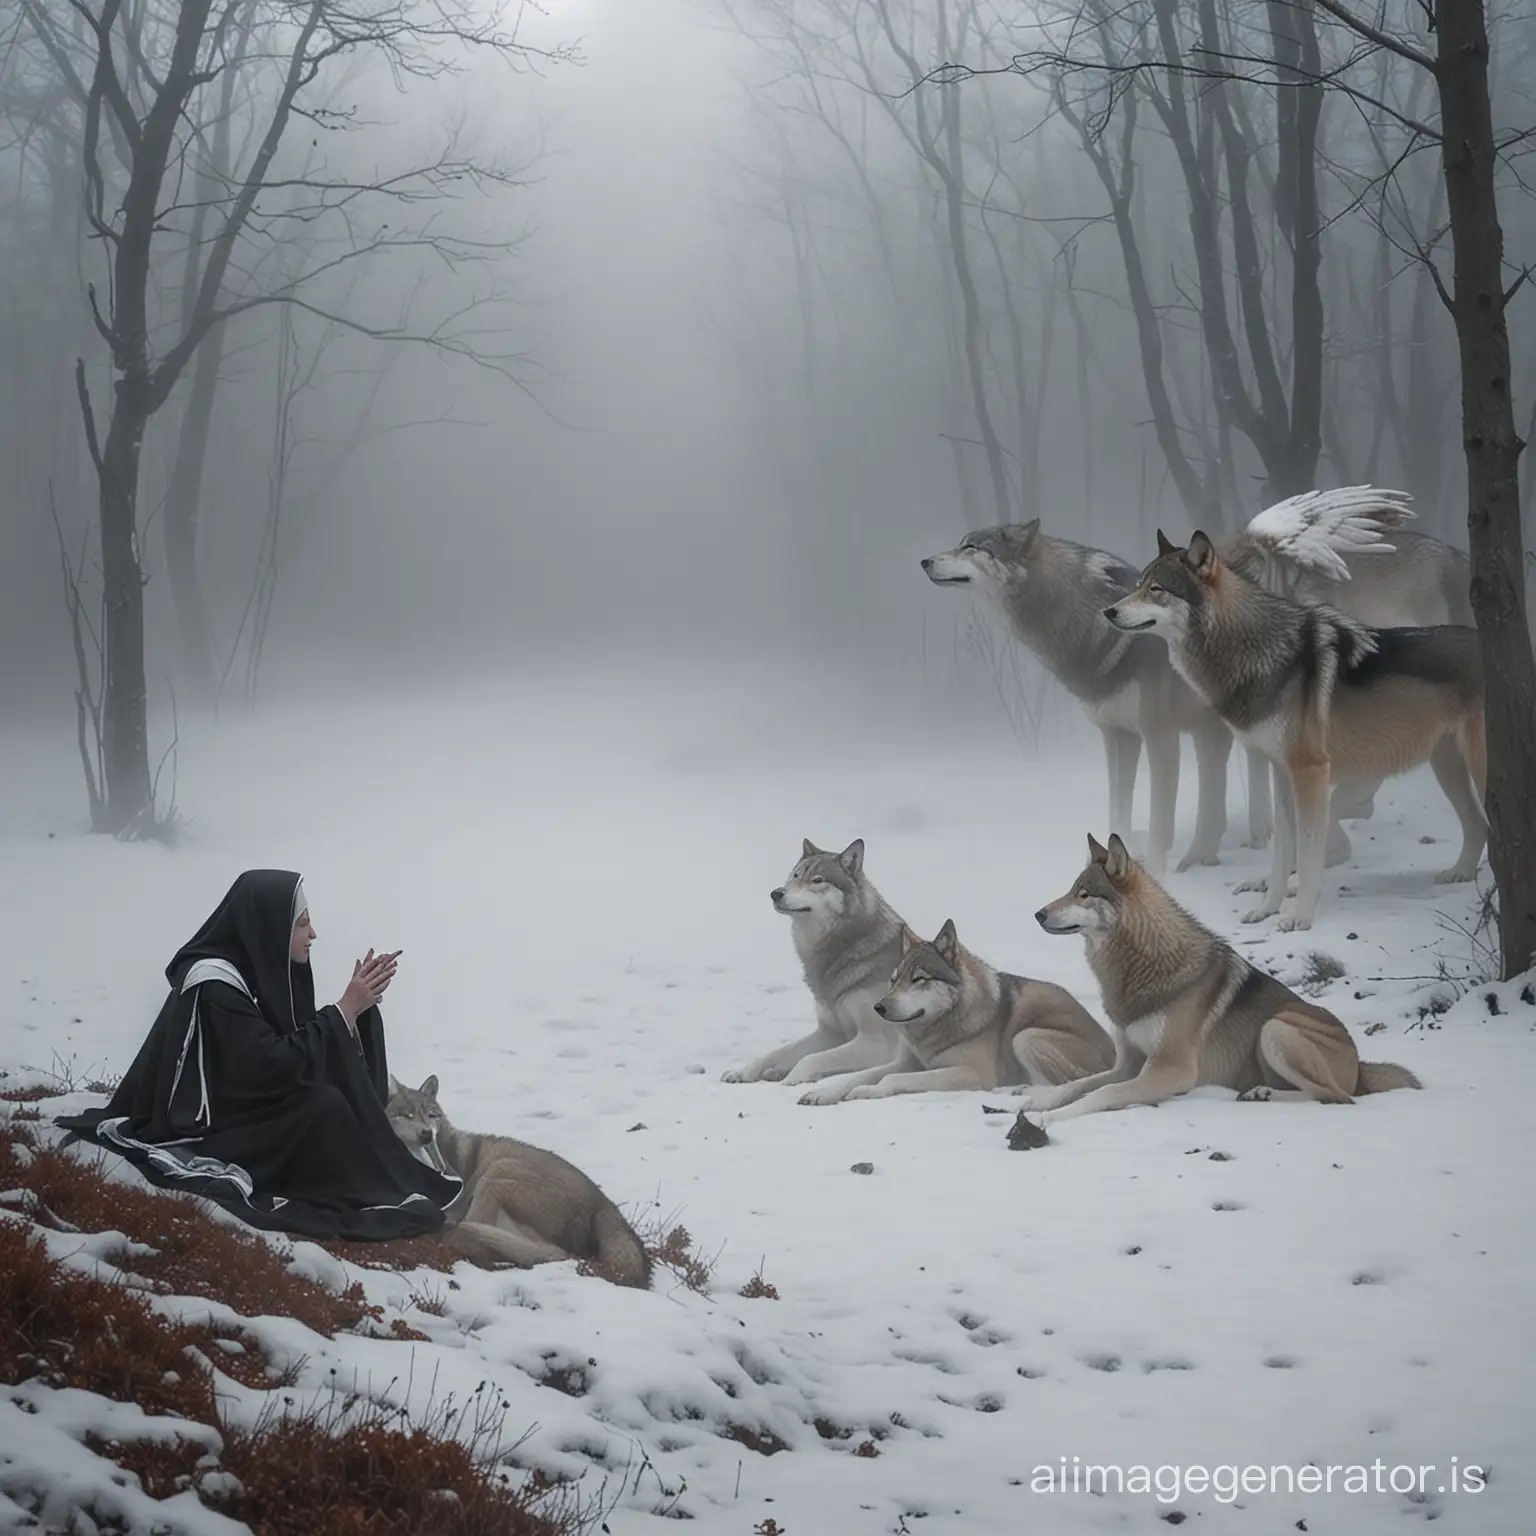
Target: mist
x,y
709,389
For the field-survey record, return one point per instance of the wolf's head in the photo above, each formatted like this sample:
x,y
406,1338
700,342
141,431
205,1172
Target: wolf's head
x,y
927,982
992,558
1099,896
415,1117
1174,588
823,886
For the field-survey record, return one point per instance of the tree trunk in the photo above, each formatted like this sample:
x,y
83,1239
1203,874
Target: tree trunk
x,y
1121,190
953,180
182,503
127,800
1493,458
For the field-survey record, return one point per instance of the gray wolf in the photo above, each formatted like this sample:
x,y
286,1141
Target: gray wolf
x,y
520,1204
849,942
1327,547
964,1025
1188,1011
1052,594
1327,699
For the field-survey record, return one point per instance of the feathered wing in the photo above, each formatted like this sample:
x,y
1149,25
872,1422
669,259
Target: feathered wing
x,y
1314,531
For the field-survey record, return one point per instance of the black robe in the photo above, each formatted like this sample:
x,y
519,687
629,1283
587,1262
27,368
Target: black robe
x,y
245,1094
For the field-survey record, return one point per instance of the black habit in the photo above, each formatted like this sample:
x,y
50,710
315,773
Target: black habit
x,y
247,1095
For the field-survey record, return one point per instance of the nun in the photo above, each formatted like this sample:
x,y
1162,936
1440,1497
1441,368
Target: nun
x,y
247,1095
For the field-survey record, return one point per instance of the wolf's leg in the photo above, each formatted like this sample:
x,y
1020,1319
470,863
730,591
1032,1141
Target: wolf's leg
x,y
1282,850
1261,812
519,1242
775,1064
1310,786
1455,776
1051,1057
1163,771
938,1080
1213,747
1054,1097
485,1243
1292,1054
836,1089
857,1055
1156,1081
1122,752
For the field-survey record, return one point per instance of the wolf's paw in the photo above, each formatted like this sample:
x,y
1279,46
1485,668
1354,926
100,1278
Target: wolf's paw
x,y
1245,887
773,1074
1338,853
865,1091
1454,877
1258,915
737,1075
1260,834
1203,856
1295,923
1259,1095
822,1096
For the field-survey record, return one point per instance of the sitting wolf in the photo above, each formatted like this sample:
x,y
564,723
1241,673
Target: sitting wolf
x,y
520,1204
849,941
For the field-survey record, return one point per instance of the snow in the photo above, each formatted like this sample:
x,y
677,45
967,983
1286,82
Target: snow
x,y
577,868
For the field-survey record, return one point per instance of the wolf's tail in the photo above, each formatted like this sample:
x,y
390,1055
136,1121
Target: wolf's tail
x,y
621,1256
1382,1077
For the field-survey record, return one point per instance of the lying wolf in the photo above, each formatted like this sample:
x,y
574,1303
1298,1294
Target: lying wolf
x,y
1188,1011
520,1204
964,1025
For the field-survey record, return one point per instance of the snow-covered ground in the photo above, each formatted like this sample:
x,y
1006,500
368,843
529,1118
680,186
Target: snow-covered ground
x,y
578,868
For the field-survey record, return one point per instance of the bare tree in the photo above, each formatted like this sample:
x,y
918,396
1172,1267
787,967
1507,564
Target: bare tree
x,y
151,79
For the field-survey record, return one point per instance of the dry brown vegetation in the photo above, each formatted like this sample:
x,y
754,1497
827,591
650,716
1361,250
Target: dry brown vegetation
x,y
331,1470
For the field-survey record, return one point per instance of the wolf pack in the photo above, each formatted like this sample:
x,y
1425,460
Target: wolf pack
x,y
1332,642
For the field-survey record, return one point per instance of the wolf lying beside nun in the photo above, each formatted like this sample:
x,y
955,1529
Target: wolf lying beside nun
x,y
248,1094
285,1114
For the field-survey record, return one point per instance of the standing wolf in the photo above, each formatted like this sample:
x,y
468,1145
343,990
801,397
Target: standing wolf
x,y
965,1026
520,1204
849,942
1414,581
1052,593
1325,546
1325,698
1188,1011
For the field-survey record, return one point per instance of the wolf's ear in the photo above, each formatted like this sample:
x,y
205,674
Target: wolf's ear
x,y
1165,545
395,1089
1201,555
947,942
808,849
1118,860
1097,852
852,857
909,941
429,1088
1024,534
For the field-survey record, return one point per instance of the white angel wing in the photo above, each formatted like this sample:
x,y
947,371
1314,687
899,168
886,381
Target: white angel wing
x,y
1316,530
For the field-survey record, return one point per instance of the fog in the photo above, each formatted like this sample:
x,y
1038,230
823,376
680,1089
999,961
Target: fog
x,y
710,386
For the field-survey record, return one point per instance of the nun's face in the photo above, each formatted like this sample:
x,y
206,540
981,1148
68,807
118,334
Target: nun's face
x,y
303,936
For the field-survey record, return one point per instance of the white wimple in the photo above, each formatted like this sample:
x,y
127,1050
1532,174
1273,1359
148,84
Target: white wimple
x,y
1316,530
